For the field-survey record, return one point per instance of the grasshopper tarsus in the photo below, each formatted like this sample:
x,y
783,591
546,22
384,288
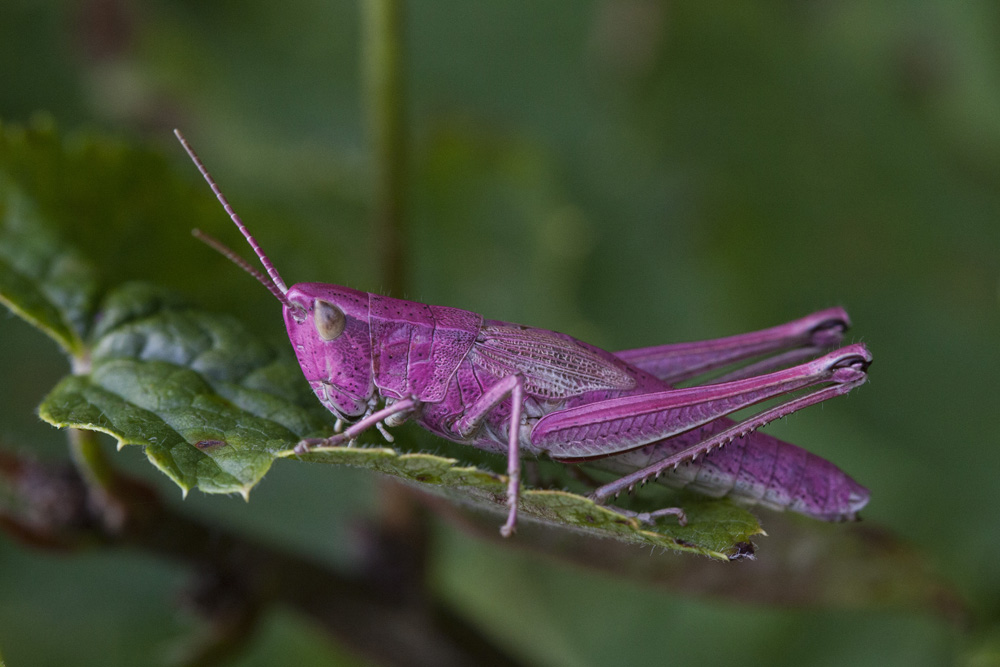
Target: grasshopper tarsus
x,y
650,518
385,434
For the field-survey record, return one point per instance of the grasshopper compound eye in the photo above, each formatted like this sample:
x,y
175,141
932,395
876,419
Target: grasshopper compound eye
x,y
329,320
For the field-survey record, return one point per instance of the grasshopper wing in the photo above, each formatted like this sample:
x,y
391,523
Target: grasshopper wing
x,y
553,366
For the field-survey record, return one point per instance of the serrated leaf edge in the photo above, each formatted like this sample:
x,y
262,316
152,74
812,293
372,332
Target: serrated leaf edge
x,y
650,537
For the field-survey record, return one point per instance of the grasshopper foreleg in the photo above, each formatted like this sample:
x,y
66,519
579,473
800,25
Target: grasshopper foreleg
x,y
512,386
374,419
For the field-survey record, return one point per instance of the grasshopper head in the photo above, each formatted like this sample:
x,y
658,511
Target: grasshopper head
x,y
328,328
327,324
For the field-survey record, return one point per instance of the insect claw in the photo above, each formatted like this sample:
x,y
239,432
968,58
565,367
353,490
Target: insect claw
x,y
385,434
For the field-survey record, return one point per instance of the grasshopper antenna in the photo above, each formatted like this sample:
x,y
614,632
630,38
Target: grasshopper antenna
x,y
276,285
231,255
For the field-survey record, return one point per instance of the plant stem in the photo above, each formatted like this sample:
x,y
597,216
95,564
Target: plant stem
x,y
90,461
383,45
101,478
382,34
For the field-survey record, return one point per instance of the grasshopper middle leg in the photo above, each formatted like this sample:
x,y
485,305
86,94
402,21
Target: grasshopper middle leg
x,y
512,386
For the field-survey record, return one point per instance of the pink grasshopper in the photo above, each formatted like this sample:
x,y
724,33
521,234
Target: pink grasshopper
x,y
509,388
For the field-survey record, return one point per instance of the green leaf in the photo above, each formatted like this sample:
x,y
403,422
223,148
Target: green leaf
x,y
214,406
42,279
211,402
126,208
715,528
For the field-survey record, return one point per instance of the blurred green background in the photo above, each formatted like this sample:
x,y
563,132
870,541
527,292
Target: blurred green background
x,y
628,171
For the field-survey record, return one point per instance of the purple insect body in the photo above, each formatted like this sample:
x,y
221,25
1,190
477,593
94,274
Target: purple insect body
x,y
510,389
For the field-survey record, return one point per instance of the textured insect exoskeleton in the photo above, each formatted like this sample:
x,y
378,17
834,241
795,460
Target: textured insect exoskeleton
x,y
375,361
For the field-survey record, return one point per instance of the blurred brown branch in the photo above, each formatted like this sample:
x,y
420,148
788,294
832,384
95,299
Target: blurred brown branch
x,y
802,564
384,613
